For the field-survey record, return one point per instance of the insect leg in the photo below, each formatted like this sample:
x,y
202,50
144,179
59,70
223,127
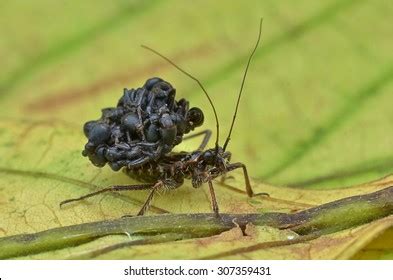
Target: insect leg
x,y
147,203
207,134
139,111
137,162
249,190
225,175
213,197
110,189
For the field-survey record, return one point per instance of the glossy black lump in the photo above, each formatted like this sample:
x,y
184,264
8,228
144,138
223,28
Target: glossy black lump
x,y
146,124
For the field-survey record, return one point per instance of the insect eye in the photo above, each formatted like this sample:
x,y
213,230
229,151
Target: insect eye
x,y
208,156
195,115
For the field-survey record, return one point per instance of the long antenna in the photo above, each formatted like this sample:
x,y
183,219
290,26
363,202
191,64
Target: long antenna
x,y
242,85
196,80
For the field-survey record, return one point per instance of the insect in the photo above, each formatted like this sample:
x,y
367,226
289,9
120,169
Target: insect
x,y
146,124
200,166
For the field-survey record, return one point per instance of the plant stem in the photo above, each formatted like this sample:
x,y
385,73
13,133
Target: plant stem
x,y
327,218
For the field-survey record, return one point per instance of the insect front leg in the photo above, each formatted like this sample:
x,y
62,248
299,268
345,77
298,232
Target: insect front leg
x,y
249,190
225,176
207,134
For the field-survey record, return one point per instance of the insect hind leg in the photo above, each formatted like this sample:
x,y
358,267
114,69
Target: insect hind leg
x,y
110,189
149,199
207,135
249,190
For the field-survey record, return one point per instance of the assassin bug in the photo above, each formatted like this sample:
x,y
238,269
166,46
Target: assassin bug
x,y
201,166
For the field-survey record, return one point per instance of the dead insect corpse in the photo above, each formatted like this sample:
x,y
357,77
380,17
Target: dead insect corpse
x,y
139,134
146,124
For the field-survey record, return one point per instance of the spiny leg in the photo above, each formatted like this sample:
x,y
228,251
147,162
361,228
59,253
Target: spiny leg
x,y
249,190
147,203
207,134
110,189
213,199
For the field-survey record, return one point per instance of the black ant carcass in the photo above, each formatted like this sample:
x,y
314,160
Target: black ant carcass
x,y
146,154
145,125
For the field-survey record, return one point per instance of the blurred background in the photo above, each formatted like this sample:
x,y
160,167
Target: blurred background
x,y
317,105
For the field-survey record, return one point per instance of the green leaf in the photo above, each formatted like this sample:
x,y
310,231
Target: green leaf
x,y
316,112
